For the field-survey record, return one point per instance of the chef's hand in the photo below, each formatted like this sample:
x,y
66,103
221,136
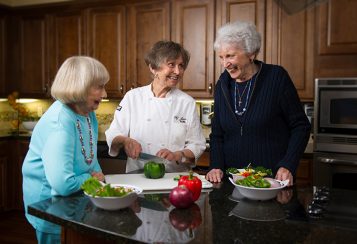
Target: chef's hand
x,y
98,175
132,148
214,175
284,174
167,154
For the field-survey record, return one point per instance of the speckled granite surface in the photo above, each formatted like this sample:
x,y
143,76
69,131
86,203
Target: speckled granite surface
x,y
222,217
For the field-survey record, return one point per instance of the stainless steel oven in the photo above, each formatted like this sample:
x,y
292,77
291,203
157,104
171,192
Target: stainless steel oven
x,y
335,132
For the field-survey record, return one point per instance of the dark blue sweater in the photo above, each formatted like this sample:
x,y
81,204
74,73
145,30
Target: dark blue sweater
x,y
272,133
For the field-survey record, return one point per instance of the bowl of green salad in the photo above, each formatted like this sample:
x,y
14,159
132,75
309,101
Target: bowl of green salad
x,y
256,184
110,196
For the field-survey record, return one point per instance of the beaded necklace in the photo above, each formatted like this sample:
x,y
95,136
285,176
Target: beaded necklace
x,y
83,150
240,113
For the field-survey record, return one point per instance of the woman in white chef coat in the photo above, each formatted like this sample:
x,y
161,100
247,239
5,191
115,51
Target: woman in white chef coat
x,y
159,118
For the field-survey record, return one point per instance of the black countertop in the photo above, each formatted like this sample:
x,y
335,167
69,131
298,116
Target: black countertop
x,y
217,217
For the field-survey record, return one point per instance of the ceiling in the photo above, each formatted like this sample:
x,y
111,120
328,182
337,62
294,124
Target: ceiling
x,y
17,3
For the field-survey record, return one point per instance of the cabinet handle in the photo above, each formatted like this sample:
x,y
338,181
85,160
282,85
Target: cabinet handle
x,y
121,88
336,161
210,88
132,87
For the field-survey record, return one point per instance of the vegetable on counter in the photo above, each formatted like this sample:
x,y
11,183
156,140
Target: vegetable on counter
x,y
181,197
153,170
94,188
254,181
193,183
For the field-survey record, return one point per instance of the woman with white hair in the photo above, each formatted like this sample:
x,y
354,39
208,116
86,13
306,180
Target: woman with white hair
x,y
63,147
258,118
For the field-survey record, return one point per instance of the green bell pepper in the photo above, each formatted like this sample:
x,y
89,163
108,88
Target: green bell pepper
x,y
154,170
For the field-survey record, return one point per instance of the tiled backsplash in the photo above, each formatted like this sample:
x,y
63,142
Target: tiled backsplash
x,y
105,113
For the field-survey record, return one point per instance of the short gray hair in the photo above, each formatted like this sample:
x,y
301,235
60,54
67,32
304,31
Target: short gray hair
x,y
74,78
241,34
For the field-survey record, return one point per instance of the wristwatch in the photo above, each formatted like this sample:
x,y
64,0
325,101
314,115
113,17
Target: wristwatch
x,y
183,158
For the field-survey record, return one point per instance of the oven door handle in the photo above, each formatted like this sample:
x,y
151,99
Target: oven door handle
x,y
337,161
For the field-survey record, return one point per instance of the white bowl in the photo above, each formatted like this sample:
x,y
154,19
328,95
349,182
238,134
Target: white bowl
x,y
115,203
260,193
29,125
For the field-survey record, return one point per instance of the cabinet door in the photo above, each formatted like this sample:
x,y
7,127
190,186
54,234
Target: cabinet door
x,y
33,81
193,22
3,175
65,33
2,56
22,146
337,39
149,23
290,43
243,10
106,42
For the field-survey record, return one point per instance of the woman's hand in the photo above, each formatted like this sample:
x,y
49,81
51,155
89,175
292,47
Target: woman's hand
x,y
98,175
132,148
284,174
214,175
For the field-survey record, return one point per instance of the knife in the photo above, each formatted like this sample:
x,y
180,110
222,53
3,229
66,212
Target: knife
x,y
150,157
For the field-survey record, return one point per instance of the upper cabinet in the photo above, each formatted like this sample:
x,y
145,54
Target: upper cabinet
x,y
336,51
106,35
2,56
147,24
33,76
193,27
243,10
66,38
290,43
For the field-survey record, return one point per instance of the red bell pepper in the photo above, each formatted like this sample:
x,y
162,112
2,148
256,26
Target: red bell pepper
x,y
193,183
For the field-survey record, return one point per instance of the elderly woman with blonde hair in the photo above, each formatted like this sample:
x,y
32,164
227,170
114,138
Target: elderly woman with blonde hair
x,y
63,147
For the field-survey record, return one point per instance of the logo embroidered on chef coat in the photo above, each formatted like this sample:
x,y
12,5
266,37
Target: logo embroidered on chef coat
x,y
179,119
119,108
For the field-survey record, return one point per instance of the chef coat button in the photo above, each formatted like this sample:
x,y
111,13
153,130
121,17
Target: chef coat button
x,y
162,145
150,98
166,122
149,144
148,120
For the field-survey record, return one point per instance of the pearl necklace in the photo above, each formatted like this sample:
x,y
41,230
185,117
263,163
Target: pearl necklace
x,y
91,154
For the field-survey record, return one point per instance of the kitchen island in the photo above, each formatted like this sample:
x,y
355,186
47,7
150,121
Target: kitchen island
x,y
219,216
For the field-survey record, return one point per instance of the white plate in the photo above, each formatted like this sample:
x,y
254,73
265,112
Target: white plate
x,y
259,193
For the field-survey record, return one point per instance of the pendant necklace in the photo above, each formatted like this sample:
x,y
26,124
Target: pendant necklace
x,y
239,95
83,150
240,113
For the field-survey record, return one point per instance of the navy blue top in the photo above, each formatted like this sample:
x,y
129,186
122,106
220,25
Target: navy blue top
x,y
274,130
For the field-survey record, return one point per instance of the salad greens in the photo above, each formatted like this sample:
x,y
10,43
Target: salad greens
x,y
254,181
232,170
94,188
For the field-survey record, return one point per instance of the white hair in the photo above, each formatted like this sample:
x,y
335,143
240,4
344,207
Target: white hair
x,y
241,34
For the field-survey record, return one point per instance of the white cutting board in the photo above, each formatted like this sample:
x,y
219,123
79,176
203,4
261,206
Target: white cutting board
x,y
165,183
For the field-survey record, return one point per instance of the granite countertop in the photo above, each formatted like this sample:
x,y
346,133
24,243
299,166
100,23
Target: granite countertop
x,y
217,217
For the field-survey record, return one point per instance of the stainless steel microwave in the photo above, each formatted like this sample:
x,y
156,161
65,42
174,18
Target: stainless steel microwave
x,y
335,123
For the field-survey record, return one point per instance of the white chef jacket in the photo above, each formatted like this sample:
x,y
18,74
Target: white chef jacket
x,y
156,123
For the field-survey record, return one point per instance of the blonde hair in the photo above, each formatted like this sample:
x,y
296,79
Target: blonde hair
x,y
74,78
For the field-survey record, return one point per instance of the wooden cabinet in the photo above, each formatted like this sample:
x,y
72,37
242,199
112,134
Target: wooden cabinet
x,y
106,37
119,36
66,38
304,171
147,23
336,50
193,27
290,43
33,79
243,10
2,56
4,164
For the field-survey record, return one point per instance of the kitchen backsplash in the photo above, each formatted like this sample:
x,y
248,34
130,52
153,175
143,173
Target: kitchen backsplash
x,y
36,107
